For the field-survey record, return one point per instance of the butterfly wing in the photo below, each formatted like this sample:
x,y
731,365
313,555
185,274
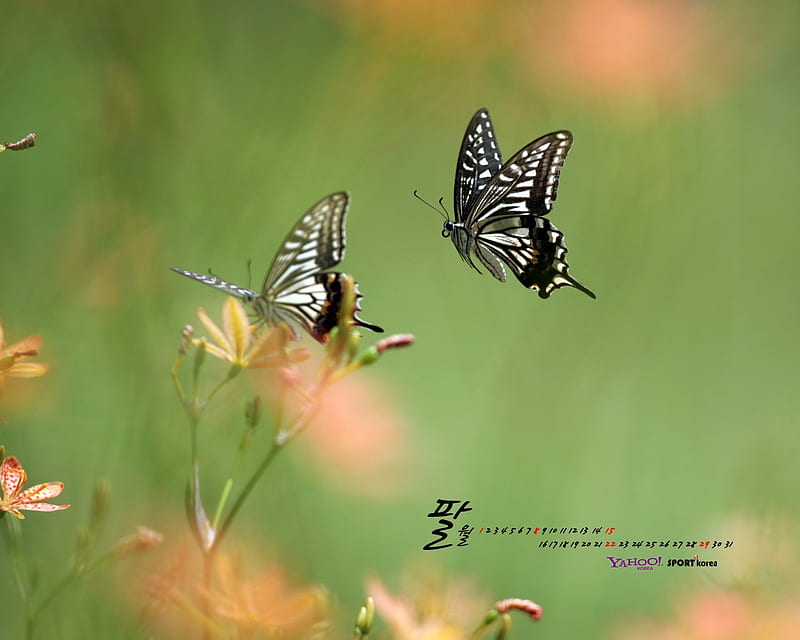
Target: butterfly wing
x,y
478,160
527,183
316,305
532,247
212,281
507,218
295,291
315,243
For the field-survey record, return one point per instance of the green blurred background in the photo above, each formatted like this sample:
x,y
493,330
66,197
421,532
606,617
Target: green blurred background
x,y
194,134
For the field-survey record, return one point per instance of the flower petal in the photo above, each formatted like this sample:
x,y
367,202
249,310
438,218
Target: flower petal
x,y
27,370
12,478
237,327
215,351
267,362
42,506
7,361
214,330
12,511
270,348
40,492
31,343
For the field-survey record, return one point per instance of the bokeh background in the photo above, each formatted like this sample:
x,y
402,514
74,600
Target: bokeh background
x,y
194,134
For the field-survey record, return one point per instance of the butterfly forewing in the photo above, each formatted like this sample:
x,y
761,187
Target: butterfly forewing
x,y
314,244
478,160
527,183
212,281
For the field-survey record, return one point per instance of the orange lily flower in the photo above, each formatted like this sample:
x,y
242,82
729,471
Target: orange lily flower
x,y
13,478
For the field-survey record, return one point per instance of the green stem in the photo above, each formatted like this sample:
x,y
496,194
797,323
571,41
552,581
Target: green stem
x,y
276,446
232,373
69,577
248,488
12,539
193,443
176,380
223,499
72,575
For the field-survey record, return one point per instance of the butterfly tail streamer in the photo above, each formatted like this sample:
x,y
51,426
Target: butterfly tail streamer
x,y
331,309
564,280
574,283
357,309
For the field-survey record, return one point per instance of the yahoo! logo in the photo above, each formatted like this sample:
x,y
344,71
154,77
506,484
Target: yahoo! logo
x,y
642,564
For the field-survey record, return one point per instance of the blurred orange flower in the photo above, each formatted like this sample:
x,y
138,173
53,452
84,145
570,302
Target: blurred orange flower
x,y
445,26
719,614
433,610
625,48
12,356
360,438
13,478
235,606
265,602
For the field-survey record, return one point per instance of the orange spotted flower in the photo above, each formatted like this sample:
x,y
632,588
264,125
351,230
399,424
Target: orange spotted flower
x,y
235,344
13,478
11,357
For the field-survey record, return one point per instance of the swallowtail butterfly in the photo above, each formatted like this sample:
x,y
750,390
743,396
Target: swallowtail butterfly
x,y
500,208
297,290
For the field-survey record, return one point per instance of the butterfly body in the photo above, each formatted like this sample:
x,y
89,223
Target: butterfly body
x,y
297,290
500,208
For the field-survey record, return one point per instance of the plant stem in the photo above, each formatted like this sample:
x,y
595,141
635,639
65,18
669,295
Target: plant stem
x,y
223,499
248,488
12,539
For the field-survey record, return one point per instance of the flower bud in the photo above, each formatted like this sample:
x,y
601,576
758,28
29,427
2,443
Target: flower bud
x,y
142,540
199,355
252,412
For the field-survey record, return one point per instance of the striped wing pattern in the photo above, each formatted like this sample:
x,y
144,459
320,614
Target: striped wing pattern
x,y
505,224
296,290
315,305
478,160
212,281
315,243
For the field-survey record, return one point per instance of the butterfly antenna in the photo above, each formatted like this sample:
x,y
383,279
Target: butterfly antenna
x,y
424,201
441,204
249,272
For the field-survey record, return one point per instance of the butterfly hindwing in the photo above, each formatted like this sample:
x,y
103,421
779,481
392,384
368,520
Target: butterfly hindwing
x,y
316,306
534,250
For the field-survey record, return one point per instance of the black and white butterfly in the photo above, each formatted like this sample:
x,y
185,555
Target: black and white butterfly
x,y
500,208
297,290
